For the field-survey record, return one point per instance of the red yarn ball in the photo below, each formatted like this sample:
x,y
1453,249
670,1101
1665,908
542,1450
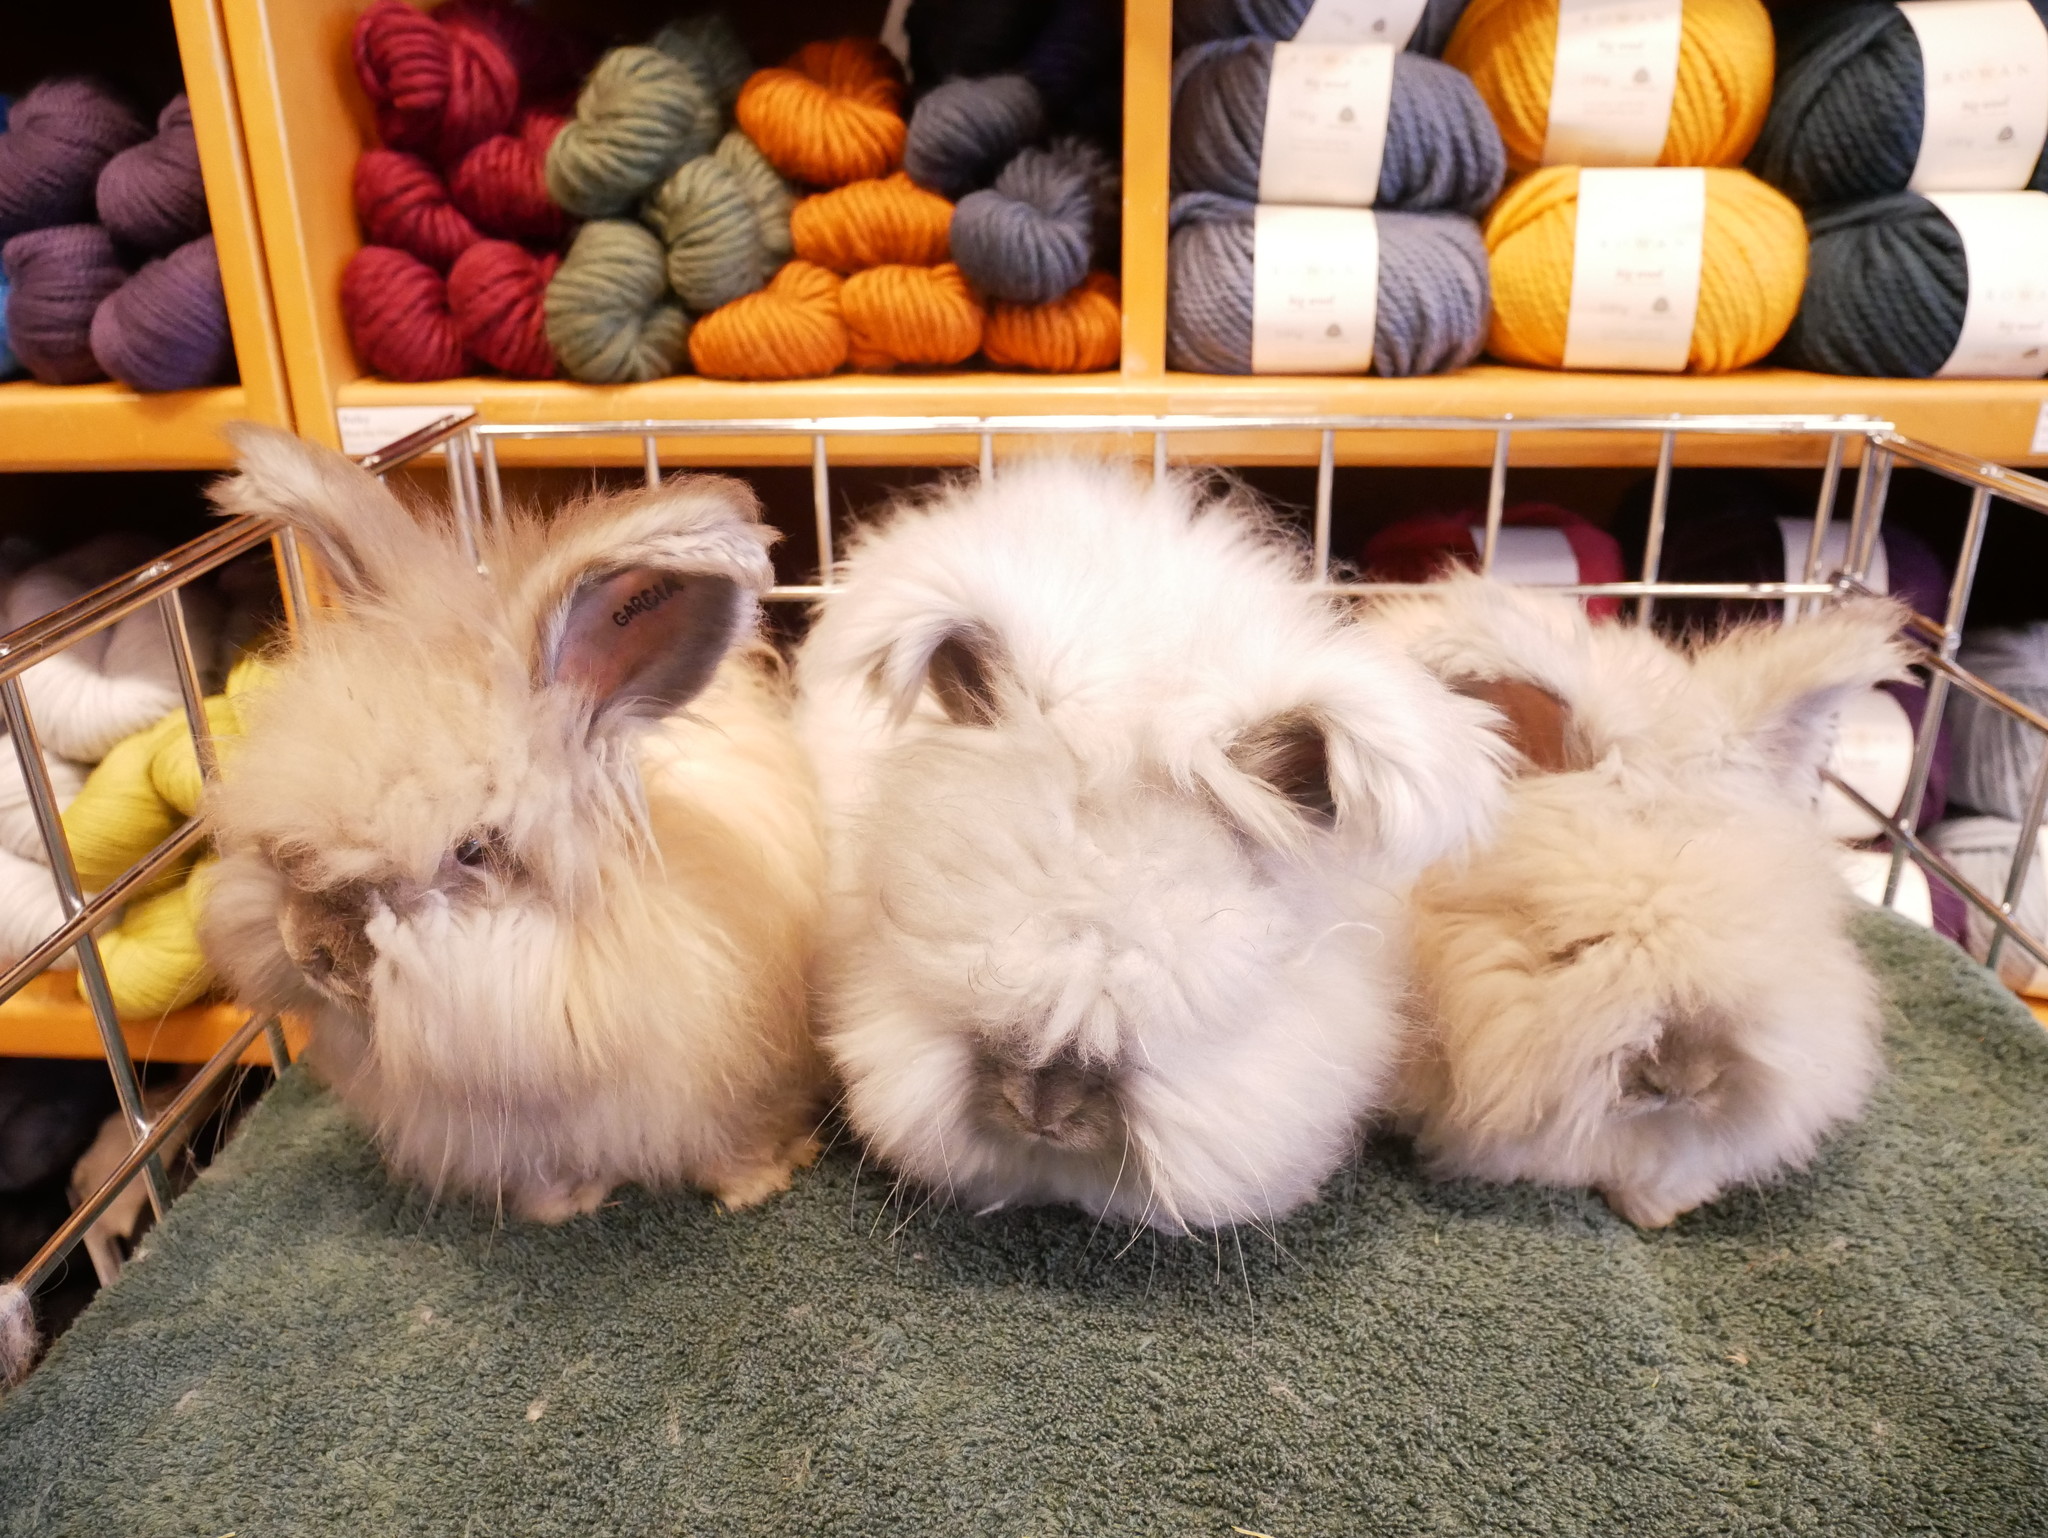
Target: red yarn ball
x,y
502,184
550,60
396,307
498,293
402,202
436,89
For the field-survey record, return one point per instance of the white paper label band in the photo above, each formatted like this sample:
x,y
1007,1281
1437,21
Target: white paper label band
x,y
1315,289
1326,124
1984,94
1360,21
2005,253
1612,81
1636,269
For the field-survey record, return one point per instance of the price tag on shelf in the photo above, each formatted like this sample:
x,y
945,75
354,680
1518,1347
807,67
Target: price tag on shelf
x,y
1326,124
366,429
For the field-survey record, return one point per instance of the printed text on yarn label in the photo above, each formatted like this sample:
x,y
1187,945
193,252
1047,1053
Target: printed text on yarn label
x,y
1636,269
1612,81
1315,289
1984,68
2005,317
1326,124
1360,21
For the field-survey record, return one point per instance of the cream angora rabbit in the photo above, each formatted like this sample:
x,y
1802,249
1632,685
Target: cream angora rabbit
x,y
536,853
1644,983
1120,813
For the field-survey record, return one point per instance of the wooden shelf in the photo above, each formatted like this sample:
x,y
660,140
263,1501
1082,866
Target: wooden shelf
x,y
48,1019
110,427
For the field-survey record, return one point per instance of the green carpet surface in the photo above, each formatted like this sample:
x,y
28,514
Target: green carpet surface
x,y
308,1348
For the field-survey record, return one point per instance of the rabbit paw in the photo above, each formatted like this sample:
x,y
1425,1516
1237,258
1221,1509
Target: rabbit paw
x,y
559,1203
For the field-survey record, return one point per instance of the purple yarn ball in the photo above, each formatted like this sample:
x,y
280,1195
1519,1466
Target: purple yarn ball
x,y
58,138
150,195
166,328
57,278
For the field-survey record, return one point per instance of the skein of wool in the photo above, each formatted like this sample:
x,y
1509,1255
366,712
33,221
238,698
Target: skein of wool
x,y
1725,51
965,131
1849,107
1430,546
1442,149
497,292
1886,287
151,195
831,115
910,317
1752,267
1078,333
871,224
30,911
707,44
1997,757
1202,21
402,202
437,87
19,834
1432,306
1034,234
1982,849
396,308
56,280
59,137
726,229
166,328
610,316
501,186
641,114
548,60
792,329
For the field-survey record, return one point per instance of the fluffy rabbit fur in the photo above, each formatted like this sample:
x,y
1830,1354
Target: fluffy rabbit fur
x,y
550,927
1120,814
1644,984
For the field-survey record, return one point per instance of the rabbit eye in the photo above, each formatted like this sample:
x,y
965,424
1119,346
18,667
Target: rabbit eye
x,y
472,851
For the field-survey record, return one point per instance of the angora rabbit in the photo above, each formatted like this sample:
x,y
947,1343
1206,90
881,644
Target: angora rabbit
x,y
1644,984
536,853
1120,813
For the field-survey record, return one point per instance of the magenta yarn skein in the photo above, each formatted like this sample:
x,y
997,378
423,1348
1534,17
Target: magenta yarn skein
x,y
57,279
58,138
150,195
166,328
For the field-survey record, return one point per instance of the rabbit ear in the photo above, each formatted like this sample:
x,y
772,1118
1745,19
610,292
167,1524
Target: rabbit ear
x,y
364,538
1538,724
960,661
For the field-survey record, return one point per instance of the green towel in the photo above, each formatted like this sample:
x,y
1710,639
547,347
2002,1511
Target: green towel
x,y
1861,1350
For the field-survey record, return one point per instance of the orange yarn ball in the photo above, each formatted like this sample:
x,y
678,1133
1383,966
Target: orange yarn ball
x,y
1077,333
831,115
921,316
789,330
872,223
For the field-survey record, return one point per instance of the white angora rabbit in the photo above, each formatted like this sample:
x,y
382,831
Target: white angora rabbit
x,y
1120,815
535,853
1645,983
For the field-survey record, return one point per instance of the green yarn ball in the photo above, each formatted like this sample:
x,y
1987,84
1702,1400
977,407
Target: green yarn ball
x,y
610,316
707,44
772,197
724,218
639,116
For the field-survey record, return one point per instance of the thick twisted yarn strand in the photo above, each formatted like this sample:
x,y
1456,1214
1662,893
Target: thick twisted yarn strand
x,y
401,201
910,317
151,195
872,224
57,279
773,198
436,88
1034,235
501,186
497,292
708,46
396,310
1886,287
831,115
166,328
640,115
965,131
792,329
711,230
59,137
1077,333
610,316
1202,21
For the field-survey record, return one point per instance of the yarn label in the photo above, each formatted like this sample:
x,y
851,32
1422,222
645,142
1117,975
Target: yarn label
x,y
1531,555
2005,253
1984,72
1326,124
1315,289
1612,80
1796,534
1636,269
1360,21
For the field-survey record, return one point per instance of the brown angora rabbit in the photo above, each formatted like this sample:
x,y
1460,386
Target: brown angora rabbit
x,y
1644,983
534,852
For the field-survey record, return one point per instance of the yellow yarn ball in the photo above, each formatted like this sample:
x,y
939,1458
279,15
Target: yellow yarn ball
x,y
1752,270
1726,60
153,960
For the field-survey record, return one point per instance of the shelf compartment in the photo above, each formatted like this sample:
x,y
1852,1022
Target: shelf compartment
x,y
48,1019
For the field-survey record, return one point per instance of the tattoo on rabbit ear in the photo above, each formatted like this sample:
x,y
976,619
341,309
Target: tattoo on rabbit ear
x,y
644,641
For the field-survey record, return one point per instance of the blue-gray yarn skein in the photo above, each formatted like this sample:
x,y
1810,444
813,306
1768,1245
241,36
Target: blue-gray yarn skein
x,y
1442,148
1434,297
1886,285
1034,234
1203,21
965,131
1848,106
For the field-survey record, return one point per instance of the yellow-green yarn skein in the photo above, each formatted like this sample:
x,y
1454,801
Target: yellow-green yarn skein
x,y
1726,57
641,114
726,232
610,316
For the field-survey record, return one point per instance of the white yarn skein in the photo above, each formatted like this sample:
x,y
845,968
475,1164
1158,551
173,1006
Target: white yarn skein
x,y
1996,757
29,910
19,834
1981,850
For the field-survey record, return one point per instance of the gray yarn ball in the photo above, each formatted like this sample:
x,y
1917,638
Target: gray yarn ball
x,y
708,46
1433,300
1996,757
1442,148
1203,21
610,316
965,131
1034,235
639,116
725,224
1886,287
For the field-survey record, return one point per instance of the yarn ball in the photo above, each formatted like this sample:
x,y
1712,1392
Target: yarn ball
x,y
1431,545
792,329
773,198
1981,849
59,137
963,132
497,292
1442,149
640,115
1034,234
437,87
1848,108
1996,756
712,231
610,316
57,279
708,46
1078,333
501,186
401,201
831,115
872,223
1752,267
166,328
1725,52
917,317
150,195
549,60
1432,304
1202,21
396,309
1886,286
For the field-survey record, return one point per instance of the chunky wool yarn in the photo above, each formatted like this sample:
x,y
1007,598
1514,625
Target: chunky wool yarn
x,y
396,310
792,329
965,131
910,317
166,328
57,279
1997,757
1049,217
1442,149
497,292
1432,294
60,136
501,186
549,60
831,115
1725,52
401,201
150,196
1202,21
438,83
708,46
610,316
1078,333
871,224
1847,112
1886,286
641,114
712,230
1752,268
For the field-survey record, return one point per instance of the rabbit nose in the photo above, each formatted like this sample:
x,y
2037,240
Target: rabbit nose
x,y
323,936
1061,1103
